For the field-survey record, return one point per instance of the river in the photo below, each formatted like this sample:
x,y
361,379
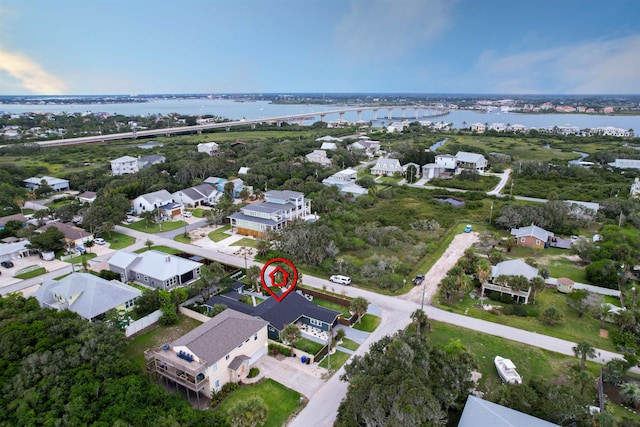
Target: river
x,y
234,110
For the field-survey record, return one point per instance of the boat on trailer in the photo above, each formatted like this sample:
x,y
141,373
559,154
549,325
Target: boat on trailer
x,y
507,370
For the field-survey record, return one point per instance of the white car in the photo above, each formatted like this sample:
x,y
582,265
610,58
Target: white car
x,y
187,214
99,241
342,280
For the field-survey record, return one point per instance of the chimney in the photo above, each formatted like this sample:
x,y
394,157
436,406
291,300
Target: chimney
x,y
168,258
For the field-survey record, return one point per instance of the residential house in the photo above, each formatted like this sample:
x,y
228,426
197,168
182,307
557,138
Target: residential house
x,y
15,250
294,308
319,156
161,200
243,170
385,167
273,214
210,148
124,165
478,412
625,164
345,180
219,183
513,267
328,146
635,188
470,161
398,127
219,351
15,217
498,127
532,236
86,197
479,127
154,269
417,167
75,237
203,194
369,147
148,161
328,138
446,161
56,184
432,170
87,295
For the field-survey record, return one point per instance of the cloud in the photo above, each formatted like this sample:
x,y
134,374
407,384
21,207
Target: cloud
x,y
386,29
30,75
599,67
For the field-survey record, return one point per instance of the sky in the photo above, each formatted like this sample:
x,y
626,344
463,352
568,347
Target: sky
x,y
81,47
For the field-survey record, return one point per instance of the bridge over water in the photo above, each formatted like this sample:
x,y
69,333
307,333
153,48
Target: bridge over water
x,y
418,112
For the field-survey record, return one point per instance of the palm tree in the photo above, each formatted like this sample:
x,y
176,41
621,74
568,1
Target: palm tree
x,y
262,247
630,393
359,306
290,335
420,318
89,244
249,412
583,350
483,271
537,285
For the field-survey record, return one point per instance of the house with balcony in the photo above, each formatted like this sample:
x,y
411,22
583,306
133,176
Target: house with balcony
x,y
203,194
124,165
87,295
478,128
155,269
512,267
161,200
56,184
470,161
273,214
220,351
446,161
386,167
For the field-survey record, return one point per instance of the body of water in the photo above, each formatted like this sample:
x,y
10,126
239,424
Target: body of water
x,y
264,109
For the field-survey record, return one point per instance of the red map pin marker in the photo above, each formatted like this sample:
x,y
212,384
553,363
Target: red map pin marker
x,y
286,289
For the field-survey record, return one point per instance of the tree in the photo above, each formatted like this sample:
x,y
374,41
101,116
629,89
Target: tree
x,y
52,240
249,412
148,216
421,320
551,316
537,285
148,243
578,300
290,335
108,227
263,247
583,350
483,271
630,393
89,244
359,307
253,277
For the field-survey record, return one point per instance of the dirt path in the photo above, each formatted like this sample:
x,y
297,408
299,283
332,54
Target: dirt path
x,y
439,270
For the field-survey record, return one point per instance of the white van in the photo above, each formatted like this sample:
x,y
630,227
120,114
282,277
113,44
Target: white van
x,y
342,280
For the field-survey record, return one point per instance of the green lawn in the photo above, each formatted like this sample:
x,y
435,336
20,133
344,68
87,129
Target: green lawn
x,y
156,337
33,273
281,401
337,360
165,249
182,239
220,234
562,267
368,323
333,306
197,212
572,328
152,227
118,240
349,344
308,346
245,241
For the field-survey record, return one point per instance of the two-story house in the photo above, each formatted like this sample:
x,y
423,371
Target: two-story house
x,y
470,161
318,156
161,200
210,148
273,214
124,165
385,167
345,180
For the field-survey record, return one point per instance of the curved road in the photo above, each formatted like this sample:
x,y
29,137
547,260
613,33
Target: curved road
x,y
322,407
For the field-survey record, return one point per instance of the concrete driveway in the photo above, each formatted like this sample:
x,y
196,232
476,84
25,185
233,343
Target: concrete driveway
x,y
290,372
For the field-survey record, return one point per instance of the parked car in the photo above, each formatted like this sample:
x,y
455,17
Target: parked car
x,y
342,280
6,264
99,241
467,229
187,214
418,279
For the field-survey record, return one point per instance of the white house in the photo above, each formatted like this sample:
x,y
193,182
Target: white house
x,y
345,181
384,167
210,148
277,210
198,195
86,197
155,269
319,156
472,161
446,161
329,146
498,127
479,127
57,184
432,170
635,188
369,147
87,295
219,351
161,199
124,165
397,126
626,164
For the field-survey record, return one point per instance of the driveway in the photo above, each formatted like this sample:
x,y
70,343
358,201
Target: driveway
x,y
305,379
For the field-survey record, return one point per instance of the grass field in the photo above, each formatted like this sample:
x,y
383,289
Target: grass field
x,y
245,241
220,234
337,360
333,306
281,401
368,323
349,344
182,239
160,248
308,346
118,240
152,227
33,273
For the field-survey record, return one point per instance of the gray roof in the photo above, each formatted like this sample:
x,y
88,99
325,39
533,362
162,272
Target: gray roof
x,y
215,338
157,196
267,207
482,413
14,217
12,248
162,266
154,158
122,259
258,220
387,164
466,157
532,231
95,295
514,267
124,159
48,179
283,195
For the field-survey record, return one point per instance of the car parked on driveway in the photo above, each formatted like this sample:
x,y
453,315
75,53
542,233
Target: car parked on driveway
x,y
99,241
342,280
6,264
467,229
